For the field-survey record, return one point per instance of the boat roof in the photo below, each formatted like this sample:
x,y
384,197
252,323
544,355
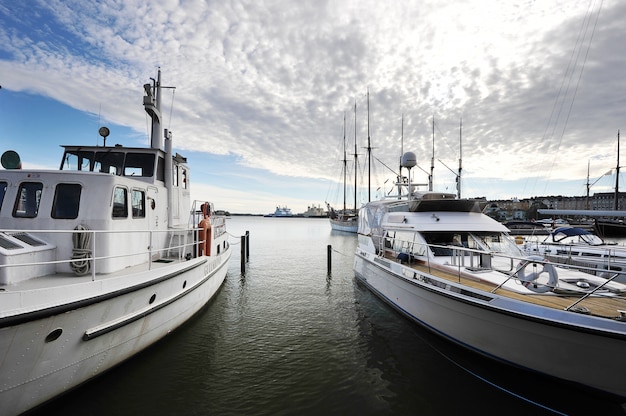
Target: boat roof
x,y
430,214
571,231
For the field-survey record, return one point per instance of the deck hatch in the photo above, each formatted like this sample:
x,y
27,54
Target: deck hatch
x,y
7,244
31,241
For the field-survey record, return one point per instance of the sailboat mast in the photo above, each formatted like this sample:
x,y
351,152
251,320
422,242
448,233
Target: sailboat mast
x,y
616,205
401,153
355,157
458,178
345,162
432,161
369,152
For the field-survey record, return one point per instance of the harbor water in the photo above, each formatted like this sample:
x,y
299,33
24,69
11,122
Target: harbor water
x,y
288,338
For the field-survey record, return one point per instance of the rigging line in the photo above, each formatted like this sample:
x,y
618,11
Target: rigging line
x,y
559,101
580,74
568,75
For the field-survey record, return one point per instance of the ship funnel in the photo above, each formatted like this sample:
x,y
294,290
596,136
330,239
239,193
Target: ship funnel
x,y
11,160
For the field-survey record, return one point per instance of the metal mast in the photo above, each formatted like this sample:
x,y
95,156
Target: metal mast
x,y
355,157
458,178
616,204
345,162
369,152
432,161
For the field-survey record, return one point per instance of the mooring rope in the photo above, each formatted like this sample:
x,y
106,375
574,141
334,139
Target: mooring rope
x,y
81,251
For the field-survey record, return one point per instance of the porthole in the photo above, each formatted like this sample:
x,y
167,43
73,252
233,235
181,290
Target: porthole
x,y
152,299
184,284
54,335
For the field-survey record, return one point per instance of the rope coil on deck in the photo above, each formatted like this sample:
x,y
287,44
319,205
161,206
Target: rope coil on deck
x,y
81,252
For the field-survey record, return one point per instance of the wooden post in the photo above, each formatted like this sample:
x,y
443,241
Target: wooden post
x,y
247,245
329,256
243,254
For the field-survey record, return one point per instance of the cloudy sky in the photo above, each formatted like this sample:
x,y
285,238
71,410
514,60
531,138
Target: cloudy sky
x,y
262,88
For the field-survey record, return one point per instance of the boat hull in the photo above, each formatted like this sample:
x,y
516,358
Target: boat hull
x,y
345,226
50,351
527,336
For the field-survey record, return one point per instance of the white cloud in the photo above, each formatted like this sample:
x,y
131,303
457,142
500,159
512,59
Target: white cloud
x,y
269,80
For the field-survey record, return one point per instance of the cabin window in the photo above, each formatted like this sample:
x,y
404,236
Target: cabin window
x,y
3,191
120,203
161,169
139,164
109,162
28,199
66,201
79,160
175,176
138,201
184,178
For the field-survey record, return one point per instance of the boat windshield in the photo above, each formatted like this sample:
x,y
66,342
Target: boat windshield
x,y
493,242
115,162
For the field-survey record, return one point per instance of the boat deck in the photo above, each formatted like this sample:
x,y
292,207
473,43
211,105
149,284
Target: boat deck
x,y
603,306
66,279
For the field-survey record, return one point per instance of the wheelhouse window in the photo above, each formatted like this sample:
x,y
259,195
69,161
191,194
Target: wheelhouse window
x,y
3,191
66,201
138,201
175,176
28,199
139,164
109,162
120,203
161,169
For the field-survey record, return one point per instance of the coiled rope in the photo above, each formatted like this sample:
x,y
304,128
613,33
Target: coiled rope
x,y
81,252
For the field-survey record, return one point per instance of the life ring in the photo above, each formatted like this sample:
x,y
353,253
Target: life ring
x,y
529,280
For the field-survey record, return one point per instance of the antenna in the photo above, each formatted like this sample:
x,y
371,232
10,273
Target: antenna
x,y
458,178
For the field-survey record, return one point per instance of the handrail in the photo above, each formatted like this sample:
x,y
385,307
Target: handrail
x,y
458,255
93,258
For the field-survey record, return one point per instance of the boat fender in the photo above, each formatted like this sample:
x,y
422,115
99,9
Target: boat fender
x,y
204,237
529,280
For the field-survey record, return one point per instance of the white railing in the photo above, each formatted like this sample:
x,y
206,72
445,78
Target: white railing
x,y
53,239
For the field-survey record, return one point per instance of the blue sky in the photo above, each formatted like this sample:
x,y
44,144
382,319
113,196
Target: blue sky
x,y
262,88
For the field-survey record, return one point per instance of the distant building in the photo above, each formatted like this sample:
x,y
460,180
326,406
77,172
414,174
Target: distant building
x,y
526,209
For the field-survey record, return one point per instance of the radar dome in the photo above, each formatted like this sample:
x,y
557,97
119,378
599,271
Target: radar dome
x,y
409,160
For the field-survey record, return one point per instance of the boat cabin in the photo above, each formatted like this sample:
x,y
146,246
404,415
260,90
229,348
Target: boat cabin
x,y
113,189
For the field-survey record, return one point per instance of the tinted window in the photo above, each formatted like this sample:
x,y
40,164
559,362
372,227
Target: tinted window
x,y
139,164
66,201
120,203
3,190
109,162
28,198
161,169
138,200
77,160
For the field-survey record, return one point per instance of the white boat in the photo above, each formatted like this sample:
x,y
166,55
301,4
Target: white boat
x,y
582,248
346,219
445,265
98,261
281,212
314,211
